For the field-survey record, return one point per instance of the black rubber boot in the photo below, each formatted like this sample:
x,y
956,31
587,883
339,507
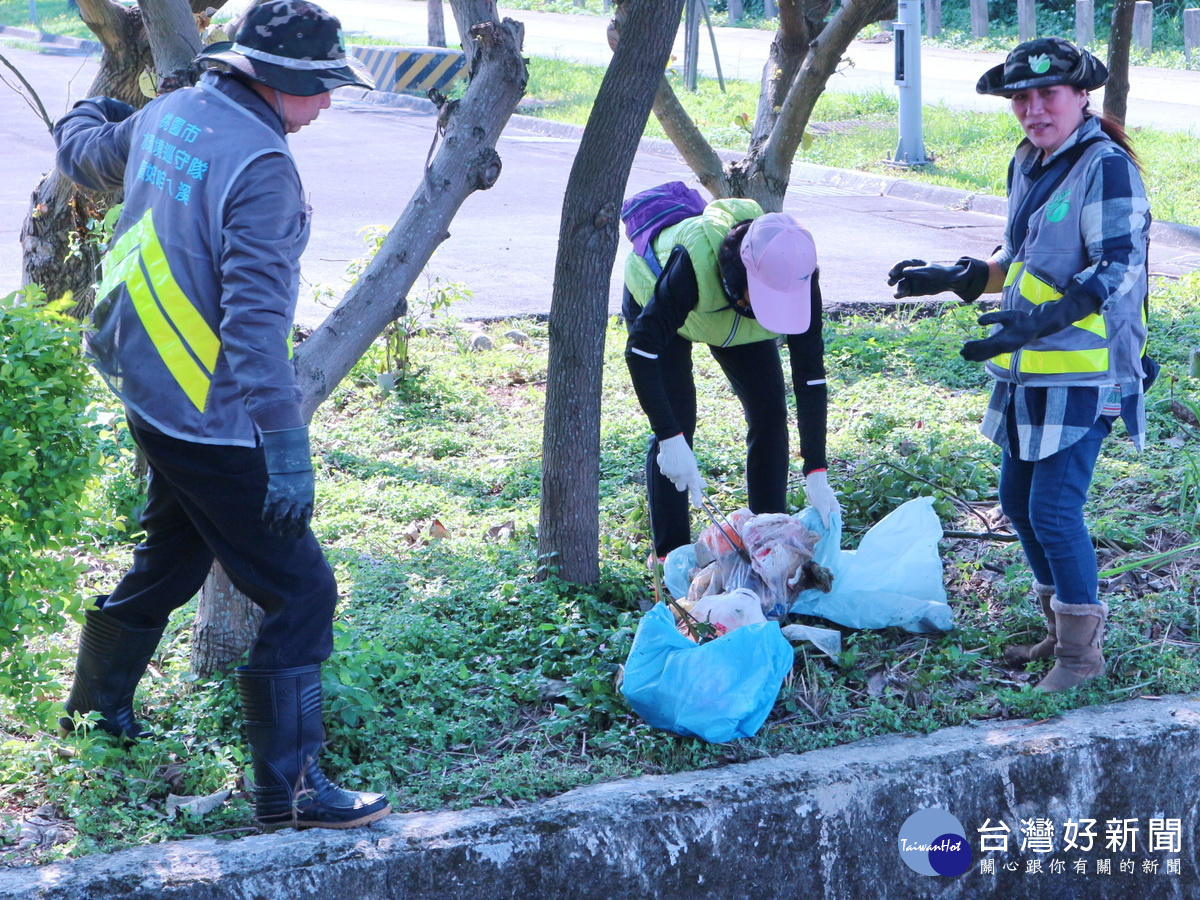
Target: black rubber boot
x,y
112,658
282,710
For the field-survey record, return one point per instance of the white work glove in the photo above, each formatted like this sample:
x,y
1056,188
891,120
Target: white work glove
x,y
820,494
677,462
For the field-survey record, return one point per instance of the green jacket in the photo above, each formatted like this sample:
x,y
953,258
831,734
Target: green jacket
x,y
714,320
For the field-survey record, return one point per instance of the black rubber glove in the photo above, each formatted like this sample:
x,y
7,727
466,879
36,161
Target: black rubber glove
x,y
1019,328
915,278
114,110
289,502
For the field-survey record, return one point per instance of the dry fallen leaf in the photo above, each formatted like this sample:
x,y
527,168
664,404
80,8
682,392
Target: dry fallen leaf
x,y
199,806
501,532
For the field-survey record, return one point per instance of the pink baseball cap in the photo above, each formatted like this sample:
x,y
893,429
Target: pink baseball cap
x,y
780,256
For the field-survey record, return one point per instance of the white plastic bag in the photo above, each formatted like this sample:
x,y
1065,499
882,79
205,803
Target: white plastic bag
x,y
893,579
729,611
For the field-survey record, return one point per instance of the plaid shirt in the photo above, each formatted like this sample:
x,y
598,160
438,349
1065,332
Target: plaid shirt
x,y
1048,419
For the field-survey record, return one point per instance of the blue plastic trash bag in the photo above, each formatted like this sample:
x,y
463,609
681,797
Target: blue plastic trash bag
x,y
718,691
893,579
677,569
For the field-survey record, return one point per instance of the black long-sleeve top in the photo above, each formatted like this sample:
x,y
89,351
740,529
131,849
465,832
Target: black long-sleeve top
x,y
675,295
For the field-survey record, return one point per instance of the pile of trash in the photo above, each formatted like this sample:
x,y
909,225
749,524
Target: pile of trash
x,y
795,564
769,555
709,662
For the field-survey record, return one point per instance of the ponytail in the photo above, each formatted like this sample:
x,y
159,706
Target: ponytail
x,y
1117,134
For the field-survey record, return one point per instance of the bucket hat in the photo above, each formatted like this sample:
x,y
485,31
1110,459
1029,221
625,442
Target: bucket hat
x,y
1043,62
291,45
780,256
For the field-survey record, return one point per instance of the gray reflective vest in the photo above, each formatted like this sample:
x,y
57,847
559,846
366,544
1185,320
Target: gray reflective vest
x,y
157,321
1103,348
713,320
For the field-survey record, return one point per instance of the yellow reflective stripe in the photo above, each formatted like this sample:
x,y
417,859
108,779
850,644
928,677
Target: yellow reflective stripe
x,y
1093,322
171,320
179,309
1013,271
128,242
1004,360
1038,292
1035,290
116,271
179,362
1059,362
120,257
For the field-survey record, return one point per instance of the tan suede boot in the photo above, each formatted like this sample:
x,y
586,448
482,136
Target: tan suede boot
x,y
1078,656
1043,649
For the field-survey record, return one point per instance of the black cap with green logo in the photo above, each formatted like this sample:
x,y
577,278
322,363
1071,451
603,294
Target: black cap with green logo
x,y
1043,62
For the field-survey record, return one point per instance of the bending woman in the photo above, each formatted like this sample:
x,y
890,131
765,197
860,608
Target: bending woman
x,y
736,279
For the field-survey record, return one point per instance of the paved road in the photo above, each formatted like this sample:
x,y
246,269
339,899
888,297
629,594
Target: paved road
x,y
362,161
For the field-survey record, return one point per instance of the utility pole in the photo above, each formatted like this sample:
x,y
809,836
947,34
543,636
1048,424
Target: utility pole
x,y
910,151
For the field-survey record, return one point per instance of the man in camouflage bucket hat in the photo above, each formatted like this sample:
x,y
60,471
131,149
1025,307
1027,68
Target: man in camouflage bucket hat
x,y
191,329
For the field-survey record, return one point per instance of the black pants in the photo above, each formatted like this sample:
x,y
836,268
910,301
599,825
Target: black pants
x,y
755,373
204,502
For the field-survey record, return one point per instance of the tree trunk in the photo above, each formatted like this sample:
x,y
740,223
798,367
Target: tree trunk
x,y
174,37
58,209
820,62
437,24
1116,92
226,624
466,161
568,533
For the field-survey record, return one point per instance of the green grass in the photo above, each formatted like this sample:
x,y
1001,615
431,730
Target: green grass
x,y
54,17
460,679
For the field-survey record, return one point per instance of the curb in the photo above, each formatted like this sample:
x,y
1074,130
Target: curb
x,y
823,824
42,37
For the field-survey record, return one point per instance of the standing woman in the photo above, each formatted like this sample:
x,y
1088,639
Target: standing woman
x,y
1068,343
735,279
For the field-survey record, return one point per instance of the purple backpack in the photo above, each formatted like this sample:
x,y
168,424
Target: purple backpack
x,y
647,213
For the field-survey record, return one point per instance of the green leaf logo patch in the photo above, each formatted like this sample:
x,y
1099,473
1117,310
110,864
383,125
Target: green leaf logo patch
x,y
1056,209
1039,64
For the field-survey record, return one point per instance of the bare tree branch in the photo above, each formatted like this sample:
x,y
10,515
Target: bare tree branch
x,y
805,52
36,102
466,161
689,140
824,54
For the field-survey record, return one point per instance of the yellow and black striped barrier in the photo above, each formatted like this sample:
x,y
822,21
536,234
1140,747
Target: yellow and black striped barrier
x,y
412,70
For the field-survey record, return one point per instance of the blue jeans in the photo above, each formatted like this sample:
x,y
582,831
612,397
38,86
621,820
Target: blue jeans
x,y
1044,501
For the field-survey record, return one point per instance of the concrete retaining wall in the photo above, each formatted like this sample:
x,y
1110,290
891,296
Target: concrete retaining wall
x,y
823,824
